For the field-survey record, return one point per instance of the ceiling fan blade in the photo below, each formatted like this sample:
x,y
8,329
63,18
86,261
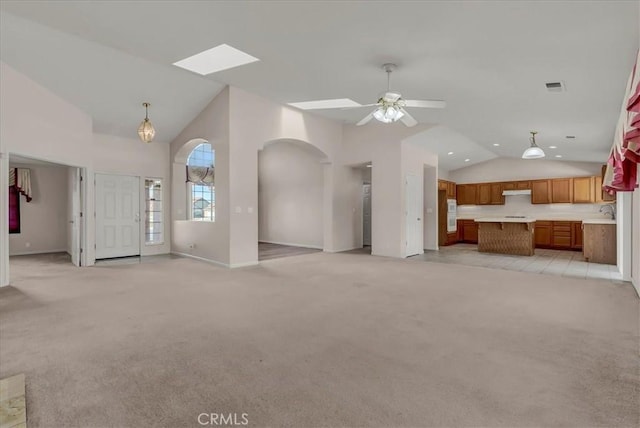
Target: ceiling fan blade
x,y
364,105
425,103
407,119
365,120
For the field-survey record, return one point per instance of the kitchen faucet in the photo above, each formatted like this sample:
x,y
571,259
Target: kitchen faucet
x,y
612,210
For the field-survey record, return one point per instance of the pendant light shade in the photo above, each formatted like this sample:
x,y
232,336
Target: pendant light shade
x,y
533,152
145,130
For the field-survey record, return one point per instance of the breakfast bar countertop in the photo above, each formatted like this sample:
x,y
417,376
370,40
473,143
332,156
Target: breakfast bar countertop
x,y
505,220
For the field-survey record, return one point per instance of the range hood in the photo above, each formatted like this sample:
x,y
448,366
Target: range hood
x,y
516,192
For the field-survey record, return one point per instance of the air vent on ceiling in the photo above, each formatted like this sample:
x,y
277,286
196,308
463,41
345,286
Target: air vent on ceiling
x,y
555,86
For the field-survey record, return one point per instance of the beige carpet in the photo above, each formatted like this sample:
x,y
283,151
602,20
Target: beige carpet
x,y
319,340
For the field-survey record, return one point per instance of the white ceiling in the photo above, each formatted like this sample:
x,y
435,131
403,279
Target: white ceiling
x,y
488,60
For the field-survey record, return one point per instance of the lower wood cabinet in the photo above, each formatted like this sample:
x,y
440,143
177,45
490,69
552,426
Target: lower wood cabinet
x,y
600,245
542,234
468,231
558,235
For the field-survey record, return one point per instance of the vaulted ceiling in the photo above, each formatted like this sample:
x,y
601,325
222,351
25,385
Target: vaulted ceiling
x,y
489,60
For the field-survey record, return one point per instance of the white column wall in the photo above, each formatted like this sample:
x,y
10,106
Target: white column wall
x,y
38,124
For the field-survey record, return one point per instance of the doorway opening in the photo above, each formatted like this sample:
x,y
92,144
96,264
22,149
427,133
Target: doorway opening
x,y
46,223
291,186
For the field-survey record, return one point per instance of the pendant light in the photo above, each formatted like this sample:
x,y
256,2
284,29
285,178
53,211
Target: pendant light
x,y
533,152
146,131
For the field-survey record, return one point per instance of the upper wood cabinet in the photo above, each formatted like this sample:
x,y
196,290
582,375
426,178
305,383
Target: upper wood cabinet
x,y
449,187
603,196
583,190
467,194
484,194
523,185
562,190
451,190
540,192
496,194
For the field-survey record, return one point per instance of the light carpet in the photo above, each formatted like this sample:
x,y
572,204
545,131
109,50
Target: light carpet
x,y
319,340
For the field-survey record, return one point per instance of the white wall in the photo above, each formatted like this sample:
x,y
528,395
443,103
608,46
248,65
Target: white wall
x,y
268,122
635,234
38,124
290,194
506,169
206,240
430,208
130,156
43,221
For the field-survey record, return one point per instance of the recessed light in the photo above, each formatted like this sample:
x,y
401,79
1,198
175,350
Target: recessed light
x,y
220,58
558,156
450,153
467,160
571,137
553,147
496,144
320,104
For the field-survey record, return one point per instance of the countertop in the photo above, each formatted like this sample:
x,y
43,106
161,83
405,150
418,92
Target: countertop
x,y
505,220
546,217
599,221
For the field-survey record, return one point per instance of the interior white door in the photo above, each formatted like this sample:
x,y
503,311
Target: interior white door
x,y
366,214
117,216
76,219
413,201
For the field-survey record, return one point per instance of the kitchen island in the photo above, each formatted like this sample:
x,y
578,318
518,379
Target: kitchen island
x,y
506,235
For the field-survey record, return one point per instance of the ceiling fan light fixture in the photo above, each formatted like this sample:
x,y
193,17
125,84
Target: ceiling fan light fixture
x,y
146,132
388,113
533,152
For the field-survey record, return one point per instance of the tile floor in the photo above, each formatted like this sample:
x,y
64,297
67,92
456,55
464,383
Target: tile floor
x,y
551,262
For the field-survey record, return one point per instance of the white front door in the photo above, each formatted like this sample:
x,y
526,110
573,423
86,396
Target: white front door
x,y
366,214
413,229
117,216
76,219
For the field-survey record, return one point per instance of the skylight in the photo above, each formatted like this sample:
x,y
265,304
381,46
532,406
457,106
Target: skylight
x,y
320,104
222,57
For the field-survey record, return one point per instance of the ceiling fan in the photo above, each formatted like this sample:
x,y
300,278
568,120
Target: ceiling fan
x,y
391,105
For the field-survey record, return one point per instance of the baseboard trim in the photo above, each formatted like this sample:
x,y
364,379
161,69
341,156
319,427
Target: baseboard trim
x,y
342,250
243,264
289,244
636,285
202,259
29,253
215,262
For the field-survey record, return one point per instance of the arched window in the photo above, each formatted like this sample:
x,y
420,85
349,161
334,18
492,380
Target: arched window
x,y
202,196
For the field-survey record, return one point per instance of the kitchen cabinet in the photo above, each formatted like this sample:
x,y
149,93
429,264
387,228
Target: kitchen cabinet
x,y
484,194
561,190
516,185
468,231
467,194
490,194
602,195
540,192
599,244
583,190
451,190
542,233
576,235
561,235
496,194
449,187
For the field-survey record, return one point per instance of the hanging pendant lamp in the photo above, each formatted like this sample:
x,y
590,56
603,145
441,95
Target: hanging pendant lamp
x,y
533,152
146,131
